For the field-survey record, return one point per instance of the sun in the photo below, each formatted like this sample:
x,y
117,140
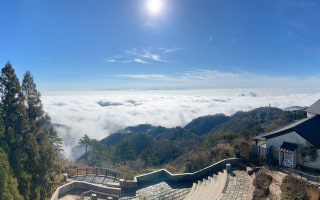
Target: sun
x,y
154,7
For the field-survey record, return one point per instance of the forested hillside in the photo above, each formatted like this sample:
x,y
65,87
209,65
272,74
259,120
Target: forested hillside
x,y
29,145
203,141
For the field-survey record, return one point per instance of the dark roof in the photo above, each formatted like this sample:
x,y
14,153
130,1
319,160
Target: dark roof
x,y
314,108
280,131
308,128
288,147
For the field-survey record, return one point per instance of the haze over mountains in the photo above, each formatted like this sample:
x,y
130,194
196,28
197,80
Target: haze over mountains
x,y
98,114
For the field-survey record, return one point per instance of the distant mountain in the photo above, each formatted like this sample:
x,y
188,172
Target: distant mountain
x,y
203,125
267,118
292,108
157,145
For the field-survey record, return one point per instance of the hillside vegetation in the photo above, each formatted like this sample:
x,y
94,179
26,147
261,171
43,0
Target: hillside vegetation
x,y
29,145
200,143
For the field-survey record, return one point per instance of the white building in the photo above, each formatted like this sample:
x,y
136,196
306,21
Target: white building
x,y
296,143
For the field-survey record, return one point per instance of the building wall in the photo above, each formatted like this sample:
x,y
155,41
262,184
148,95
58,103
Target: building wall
x,y
292,137
316,163
276,142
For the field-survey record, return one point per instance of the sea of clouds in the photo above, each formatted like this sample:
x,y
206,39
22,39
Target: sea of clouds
x,y
101,113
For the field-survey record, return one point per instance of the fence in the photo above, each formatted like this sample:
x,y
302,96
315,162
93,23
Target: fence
x,y
93,171
261,152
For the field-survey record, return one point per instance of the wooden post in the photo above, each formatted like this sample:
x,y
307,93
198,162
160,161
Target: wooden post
x,y
86,171
96,171
77,172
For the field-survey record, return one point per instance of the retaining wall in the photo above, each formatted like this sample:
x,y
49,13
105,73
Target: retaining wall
x,y
165,175
63,190
156,176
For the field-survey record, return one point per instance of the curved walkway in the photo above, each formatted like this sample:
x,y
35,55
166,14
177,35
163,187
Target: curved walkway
x,y
238,186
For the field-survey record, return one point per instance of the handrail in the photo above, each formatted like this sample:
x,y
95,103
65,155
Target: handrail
x,y
163,174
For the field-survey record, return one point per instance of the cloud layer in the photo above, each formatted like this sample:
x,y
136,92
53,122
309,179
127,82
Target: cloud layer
x,y
99,114
205,78
142,56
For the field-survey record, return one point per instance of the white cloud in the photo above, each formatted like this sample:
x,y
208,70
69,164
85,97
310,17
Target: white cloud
x,y
139,60
202,78
147,76
144,56
99,114
166,50
110,60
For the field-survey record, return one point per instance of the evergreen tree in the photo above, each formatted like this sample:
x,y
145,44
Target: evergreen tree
x,y
32,101
124,151
42,145
8,184
28,136
16,126
85,141
12,105
48,168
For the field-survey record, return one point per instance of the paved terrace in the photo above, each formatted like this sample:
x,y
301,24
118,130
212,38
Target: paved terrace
x,y
208,183
102,180
237,186
221,186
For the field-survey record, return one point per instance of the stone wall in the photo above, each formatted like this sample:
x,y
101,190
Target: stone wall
x,y
128,184
156,176
63,190
165,175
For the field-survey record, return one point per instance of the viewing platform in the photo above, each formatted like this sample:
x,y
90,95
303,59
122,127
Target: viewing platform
x,y
220,181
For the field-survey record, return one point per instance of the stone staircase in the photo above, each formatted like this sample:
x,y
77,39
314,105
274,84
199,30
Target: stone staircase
x,y
221,186
162,190
238,186
210,188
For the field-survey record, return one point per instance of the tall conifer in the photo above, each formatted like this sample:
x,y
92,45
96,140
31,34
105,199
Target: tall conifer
x,y
12,105
32,100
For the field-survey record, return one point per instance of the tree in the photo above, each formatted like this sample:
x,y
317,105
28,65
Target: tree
x,y
8,184
124,151
12,105
32,101
85,142
42,143
25,136
98,153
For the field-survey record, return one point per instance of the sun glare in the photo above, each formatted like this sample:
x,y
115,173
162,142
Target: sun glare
x,y
154,7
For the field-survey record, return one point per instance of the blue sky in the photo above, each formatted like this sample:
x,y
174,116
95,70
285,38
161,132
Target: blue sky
x,y
119,44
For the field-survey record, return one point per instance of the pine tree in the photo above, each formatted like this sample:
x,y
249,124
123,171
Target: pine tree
x,y
32,100
42,145
38,119
26,136
12,105
124,152
85,141
8,184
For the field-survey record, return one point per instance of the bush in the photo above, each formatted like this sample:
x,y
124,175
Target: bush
x,y
260,193
293,188
262,182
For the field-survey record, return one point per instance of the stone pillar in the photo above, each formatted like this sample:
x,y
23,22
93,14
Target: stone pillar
x,y
228,167
65,177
